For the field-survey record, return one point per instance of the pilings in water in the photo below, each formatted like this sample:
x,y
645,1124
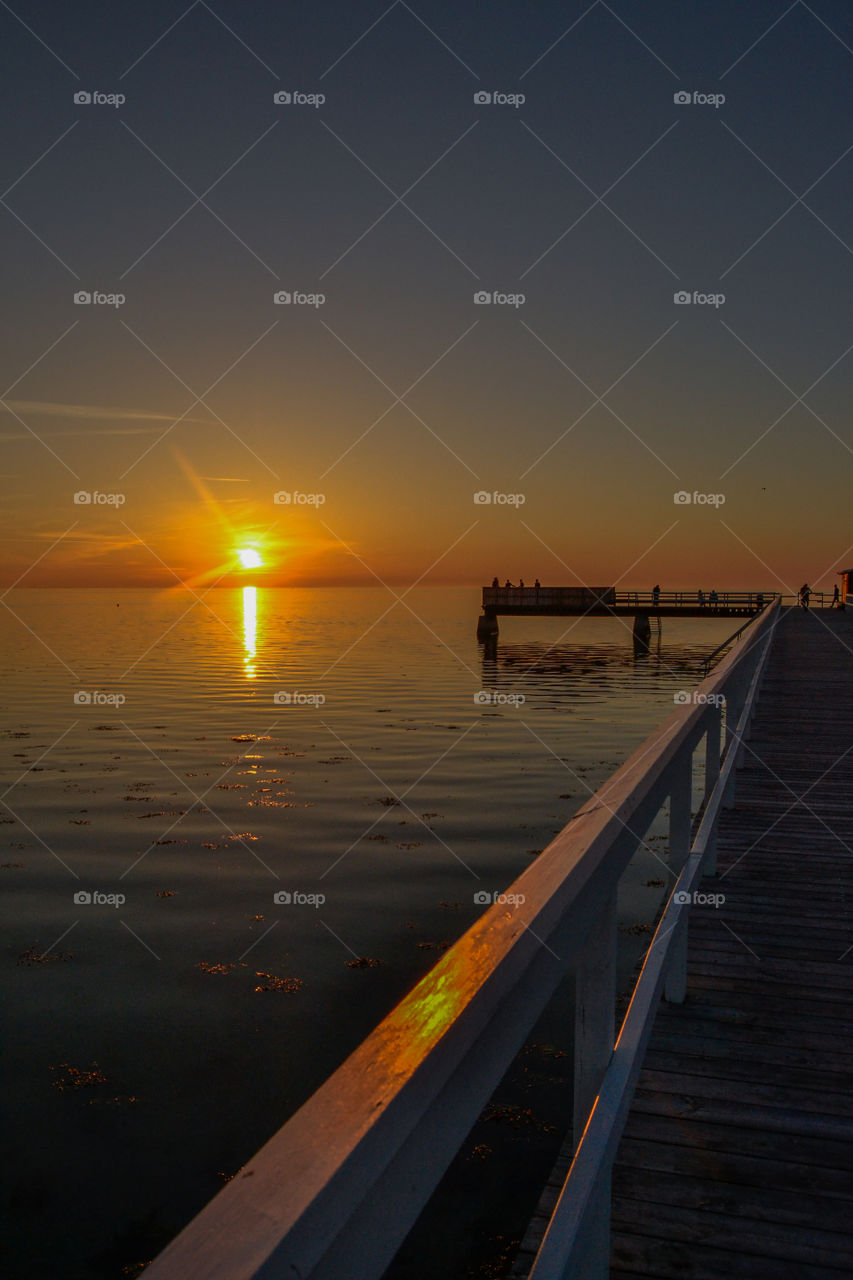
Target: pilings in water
x,y
642,632
487,627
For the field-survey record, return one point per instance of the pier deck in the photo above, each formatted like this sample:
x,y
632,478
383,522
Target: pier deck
x,y
737,1158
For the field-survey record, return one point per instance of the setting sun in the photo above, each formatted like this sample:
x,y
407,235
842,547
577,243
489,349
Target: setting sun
x,y
249,558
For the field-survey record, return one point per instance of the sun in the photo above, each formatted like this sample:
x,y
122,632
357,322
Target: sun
x,y
249,558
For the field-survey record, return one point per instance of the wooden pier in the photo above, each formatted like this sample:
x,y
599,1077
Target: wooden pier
x,y
598,602
737,1157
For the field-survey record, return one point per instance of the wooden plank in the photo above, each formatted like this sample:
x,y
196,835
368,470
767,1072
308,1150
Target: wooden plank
x,y
796,1207
746,1167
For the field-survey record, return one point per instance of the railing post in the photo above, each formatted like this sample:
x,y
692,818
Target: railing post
x,y
595,1034
712,773
734,704
680,817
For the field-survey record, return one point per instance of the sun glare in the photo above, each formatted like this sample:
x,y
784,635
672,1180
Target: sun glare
x,y
249,558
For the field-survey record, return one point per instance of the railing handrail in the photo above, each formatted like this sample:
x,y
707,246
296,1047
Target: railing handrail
x,y
610,597
350,1172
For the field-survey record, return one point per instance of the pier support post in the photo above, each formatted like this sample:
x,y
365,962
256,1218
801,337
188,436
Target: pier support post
x,y
595,1034
680,817
642,631
487,627
712,772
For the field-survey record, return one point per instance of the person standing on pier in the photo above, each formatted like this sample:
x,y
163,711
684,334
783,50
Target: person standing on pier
x,y
836,597
656,594
700,596
805,592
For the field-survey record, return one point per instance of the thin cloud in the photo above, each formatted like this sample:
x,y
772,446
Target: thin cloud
x,y
57,409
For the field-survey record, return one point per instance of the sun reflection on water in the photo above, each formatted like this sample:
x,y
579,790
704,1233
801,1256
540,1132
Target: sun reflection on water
x,y
250,630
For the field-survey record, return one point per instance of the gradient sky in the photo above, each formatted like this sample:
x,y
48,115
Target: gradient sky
x,y
751,199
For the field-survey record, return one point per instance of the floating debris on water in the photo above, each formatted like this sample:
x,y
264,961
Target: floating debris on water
x,y
363,962
207,967
516,1117
68,1077
33,955
166,893
273,983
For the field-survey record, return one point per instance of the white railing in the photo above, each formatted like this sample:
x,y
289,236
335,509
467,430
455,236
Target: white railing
x,y
335,1191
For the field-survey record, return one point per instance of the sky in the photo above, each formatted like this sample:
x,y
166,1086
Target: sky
x,y
582,424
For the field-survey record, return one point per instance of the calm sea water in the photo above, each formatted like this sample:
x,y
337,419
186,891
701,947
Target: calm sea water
x,y
161,1031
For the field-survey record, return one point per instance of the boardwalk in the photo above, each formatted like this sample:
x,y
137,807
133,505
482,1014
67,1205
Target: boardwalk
x,y
737,1159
